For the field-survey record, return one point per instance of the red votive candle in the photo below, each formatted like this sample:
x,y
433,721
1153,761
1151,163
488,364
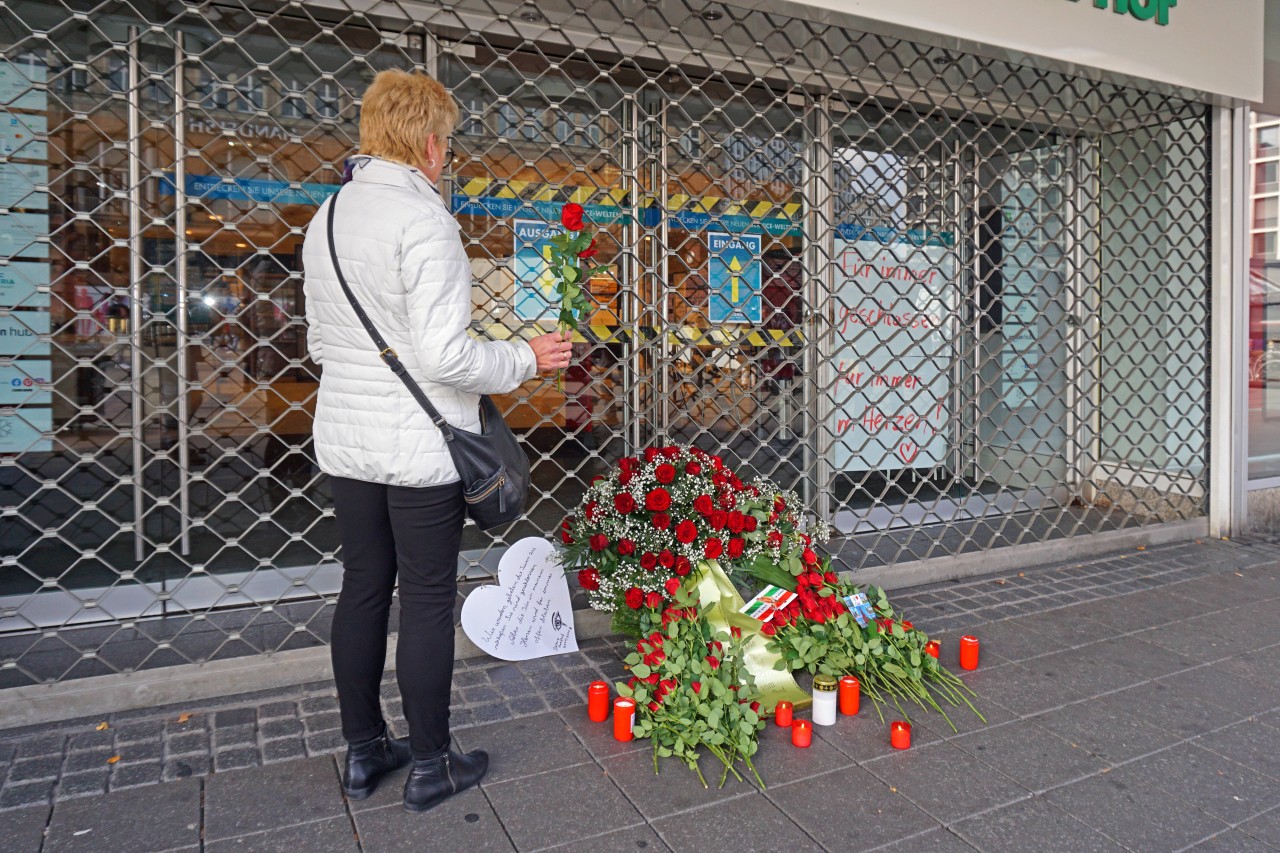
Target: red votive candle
x,y
968,652
782,713
932,649
598,701
900,734
624,717
801,733
850,695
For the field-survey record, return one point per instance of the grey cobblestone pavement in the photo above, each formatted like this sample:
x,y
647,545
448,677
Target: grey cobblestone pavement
x,y
1132,703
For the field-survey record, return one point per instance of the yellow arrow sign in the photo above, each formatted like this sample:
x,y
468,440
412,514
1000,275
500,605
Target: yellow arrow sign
x,y
735,267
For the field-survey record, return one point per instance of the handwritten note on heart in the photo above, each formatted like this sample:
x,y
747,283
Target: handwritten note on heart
x,y
528,614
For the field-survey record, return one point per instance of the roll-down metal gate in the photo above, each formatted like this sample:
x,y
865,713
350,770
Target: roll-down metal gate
x,y
961,304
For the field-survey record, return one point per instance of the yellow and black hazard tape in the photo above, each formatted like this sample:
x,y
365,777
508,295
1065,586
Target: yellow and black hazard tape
x,y
677,335
717,206
537,191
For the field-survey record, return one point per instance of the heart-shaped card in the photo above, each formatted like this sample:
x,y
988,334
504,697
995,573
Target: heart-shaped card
x,y
528,614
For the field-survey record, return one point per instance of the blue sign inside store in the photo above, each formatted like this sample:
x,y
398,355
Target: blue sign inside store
x,y
244,189
20,136
23,430
535,285
21,283
734,266
503,208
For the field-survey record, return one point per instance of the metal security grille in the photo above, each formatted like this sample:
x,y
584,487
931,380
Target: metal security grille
x,y
961,304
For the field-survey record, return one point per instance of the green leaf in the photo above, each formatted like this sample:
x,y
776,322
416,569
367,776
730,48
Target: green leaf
x,y
641,670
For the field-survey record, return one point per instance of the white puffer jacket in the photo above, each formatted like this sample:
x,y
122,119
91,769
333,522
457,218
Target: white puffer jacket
x,y
402,256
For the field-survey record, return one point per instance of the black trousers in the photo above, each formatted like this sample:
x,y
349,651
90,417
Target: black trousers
x,y
414,533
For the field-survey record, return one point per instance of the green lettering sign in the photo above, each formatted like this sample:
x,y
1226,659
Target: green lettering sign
x,y
1143,10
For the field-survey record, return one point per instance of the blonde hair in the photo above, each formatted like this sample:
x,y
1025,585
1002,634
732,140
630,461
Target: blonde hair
x,y
400,110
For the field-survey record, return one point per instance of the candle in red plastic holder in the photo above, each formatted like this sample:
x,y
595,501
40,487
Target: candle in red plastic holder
x,y
624,718
598,701
933,648
900,734
782,713
850,695
801,733
968,652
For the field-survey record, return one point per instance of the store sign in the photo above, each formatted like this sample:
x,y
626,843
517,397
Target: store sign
x,y
21,233
21,136
19,86
207,187
24,430
1143,10
24,185
20,333
735,279
535,285
20,283
23,381
892,354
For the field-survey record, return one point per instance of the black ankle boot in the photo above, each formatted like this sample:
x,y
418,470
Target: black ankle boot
x,y
368,762
434,780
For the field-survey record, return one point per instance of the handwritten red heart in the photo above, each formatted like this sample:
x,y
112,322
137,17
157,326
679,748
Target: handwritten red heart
x,y
908,451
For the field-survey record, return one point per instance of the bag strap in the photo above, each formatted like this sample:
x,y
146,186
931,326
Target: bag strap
x,y
385,352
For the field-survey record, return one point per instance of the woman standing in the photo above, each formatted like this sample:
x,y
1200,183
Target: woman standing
x,y
395,489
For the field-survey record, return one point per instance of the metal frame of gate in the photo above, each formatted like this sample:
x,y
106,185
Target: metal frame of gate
x,y
1120,466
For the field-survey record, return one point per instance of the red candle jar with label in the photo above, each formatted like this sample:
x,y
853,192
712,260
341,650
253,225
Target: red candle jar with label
x,y
933,648
624,717
598,701
850,695
782,714
968,652
801,733
900,734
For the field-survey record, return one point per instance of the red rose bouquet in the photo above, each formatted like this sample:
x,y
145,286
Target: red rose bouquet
x,y
654,518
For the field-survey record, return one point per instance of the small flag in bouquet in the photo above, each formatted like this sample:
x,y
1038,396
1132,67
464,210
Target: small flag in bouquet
x,y
767,602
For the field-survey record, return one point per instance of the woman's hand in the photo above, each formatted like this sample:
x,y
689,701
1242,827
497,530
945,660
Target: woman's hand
x,y
552,351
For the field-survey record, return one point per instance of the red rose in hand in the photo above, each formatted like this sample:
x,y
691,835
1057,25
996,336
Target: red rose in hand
x,y
661,520
686,531
666,559
693,468
774,539
658,500
751,524
589,579
714,661
649,560
626,547
653,600
672,586
635,598
590,252
683,566
599,542
736,547
703,504
666,472
571,216
624,503
714,548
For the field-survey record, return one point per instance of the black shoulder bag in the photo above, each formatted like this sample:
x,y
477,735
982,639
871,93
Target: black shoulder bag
x,y
493,467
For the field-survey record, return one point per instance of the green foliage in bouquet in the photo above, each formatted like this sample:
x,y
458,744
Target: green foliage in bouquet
x,y
692,692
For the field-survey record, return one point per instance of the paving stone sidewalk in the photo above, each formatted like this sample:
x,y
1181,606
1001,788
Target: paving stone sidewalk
x,y
1132,702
